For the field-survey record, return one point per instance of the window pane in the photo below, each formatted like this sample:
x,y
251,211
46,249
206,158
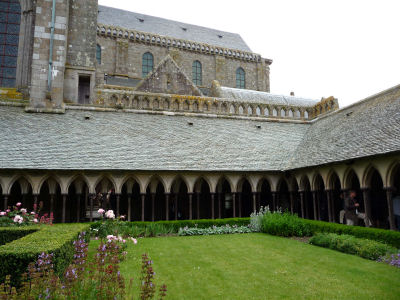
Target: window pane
x,y
147,63
240,78
197,73
10,14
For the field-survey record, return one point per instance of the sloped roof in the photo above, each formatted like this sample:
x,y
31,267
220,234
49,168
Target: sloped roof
x,y
366,128
252,96
173,29
132,141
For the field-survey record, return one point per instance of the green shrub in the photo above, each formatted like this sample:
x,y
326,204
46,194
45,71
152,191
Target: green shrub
x,y
389,237
147,229
8,234
349,244
284,224
57,239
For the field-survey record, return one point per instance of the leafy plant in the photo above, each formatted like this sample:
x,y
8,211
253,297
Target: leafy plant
x,y
226,229
349,244
284,224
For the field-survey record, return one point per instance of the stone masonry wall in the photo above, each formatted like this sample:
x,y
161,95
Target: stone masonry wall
x,y
82,33
123,57
40,99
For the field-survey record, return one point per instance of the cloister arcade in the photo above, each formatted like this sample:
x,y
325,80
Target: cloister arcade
x,y
313,193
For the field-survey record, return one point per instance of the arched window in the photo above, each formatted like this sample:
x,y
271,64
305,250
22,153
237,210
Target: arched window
x,y
147,63
10,17
240,78
98,54
197,73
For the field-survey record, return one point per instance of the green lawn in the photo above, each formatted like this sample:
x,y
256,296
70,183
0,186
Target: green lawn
x,y
259,266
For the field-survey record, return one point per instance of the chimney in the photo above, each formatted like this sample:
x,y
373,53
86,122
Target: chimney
x,y
291,93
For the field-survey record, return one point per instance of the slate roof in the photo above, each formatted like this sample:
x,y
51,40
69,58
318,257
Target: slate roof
x,y
140,141
369,127
132,141
252,96
173,29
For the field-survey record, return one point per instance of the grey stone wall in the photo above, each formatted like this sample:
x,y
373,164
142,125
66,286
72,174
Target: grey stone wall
x,y
124,57
40,97
82,33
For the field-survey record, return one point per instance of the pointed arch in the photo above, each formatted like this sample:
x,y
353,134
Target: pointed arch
x,y
47,177
17,177
157,178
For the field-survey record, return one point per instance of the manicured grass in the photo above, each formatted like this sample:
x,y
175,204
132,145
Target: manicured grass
x,y
259,266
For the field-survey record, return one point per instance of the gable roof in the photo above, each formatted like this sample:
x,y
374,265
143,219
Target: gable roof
x,y
173,29
131,141
366,128
167,69
251,96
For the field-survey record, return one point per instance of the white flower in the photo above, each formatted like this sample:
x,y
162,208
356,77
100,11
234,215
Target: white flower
x,y
133,240
18,219
101,211
35,220
110,214
2,213
23,210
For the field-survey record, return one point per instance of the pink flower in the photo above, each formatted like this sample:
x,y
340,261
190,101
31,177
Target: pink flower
x,y
122,217
8,210
101,211
2,213
23,210
32,213
18,219
110,237
110,214
18,204
134,240
35,220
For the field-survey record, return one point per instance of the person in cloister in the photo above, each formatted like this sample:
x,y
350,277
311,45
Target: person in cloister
x,y
350,207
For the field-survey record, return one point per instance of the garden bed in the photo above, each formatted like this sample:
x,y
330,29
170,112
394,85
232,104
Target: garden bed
x,y
57,239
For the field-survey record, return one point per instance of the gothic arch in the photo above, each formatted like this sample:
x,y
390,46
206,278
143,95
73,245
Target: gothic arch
x,y
221,179
75,177
391,173
17,177
155,177
47,177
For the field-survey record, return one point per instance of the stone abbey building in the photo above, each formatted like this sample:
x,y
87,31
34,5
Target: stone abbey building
x,y
165,120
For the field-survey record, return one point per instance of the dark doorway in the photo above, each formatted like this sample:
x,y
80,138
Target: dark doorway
x,y
84,89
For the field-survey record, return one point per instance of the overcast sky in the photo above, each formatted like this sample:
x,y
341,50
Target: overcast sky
x,y
347,49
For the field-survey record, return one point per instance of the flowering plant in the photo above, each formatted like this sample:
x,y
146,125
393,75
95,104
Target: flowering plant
x,y
18,216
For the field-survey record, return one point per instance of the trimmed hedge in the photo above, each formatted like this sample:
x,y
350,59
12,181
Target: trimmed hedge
x,y
147,229
9,234
57,239
286,224
389,237
349,244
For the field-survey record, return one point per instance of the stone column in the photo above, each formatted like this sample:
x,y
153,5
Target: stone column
x,y
234,204
118,200
35,201
190,206
153,201
129,207
314,196
219,195
302,203
167,206
273,201
367,203
240,204
64,203
5,202
176,206
198,205
389,194
212,205
329,199
254,201
291,195
78,207
142,197
91,196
